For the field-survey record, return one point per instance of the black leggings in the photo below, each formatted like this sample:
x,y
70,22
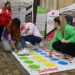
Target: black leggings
x,y
66,48
31,38
1,30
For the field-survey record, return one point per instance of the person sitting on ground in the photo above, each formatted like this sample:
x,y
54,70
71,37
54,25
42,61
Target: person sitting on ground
x,y
12,33
30,33
64,38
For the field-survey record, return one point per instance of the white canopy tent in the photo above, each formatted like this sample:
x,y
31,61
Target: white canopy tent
x,y
68,10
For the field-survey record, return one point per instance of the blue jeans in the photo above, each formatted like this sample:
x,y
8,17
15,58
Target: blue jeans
x,y
30,38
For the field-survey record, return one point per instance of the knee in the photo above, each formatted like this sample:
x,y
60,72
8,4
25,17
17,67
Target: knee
x,y
56,44
22,38
39,40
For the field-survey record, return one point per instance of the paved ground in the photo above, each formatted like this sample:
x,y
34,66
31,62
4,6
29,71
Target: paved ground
x,y
8,65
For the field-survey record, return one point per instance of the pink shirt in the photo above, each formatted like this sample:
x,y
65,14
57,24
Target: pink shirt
x,y
32,29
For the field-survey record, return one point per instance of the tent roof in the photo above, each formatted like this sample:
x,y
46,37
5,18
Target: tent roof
x,y
69,10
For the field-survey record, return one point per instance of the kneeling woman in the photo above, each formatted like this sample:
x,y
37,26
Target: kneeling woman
x,y
64,38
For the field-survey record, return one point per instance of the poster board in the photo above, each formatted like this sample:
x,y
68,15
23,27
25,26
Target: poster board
x,y
50,16
41,18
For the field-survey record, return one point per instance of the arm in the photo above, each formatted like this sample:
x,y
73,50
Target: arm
x,y
29,33
0,11
51,42
71,33
12,45
31,29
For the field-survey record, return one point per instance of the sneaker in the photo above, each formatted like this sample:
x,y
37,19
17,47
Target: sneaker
x,y
35,47
68,58
24,51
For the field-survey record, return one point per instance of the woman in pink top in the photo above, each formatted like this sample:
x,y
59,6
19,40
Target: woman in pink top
x,y
30,33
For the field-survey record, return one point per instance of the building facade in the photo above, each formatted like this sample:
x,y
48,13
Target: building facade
x,y
55,4
49,4
64,3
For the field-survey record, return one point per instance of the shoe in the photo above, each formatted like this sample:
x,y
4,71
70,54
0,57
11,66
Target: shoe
x,y
67,57
24,51
35,47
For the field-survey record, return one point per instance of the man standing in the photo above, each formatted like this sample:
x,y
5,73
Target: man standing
x,y
5,17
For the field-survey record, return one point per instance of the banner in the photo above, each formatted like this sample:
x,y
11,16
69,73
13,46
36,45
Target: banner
x,y
50,16
41,18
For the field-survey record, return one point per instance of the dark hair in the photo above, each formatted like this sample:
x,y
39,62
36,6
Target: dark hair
x,y
7,3
6,6
16,22
57,19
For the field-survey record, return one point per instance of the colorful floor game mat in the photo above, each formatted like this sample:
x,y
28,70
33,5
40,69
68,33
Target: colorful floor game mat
x,y
38,62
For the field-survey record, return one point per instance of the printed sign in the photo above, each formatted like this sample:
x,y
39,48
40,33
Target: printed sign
x,y
50,16
41,18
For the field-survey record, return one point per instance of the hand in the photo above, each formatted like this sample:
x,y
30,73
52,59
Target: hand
x,y
15,50
64,41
